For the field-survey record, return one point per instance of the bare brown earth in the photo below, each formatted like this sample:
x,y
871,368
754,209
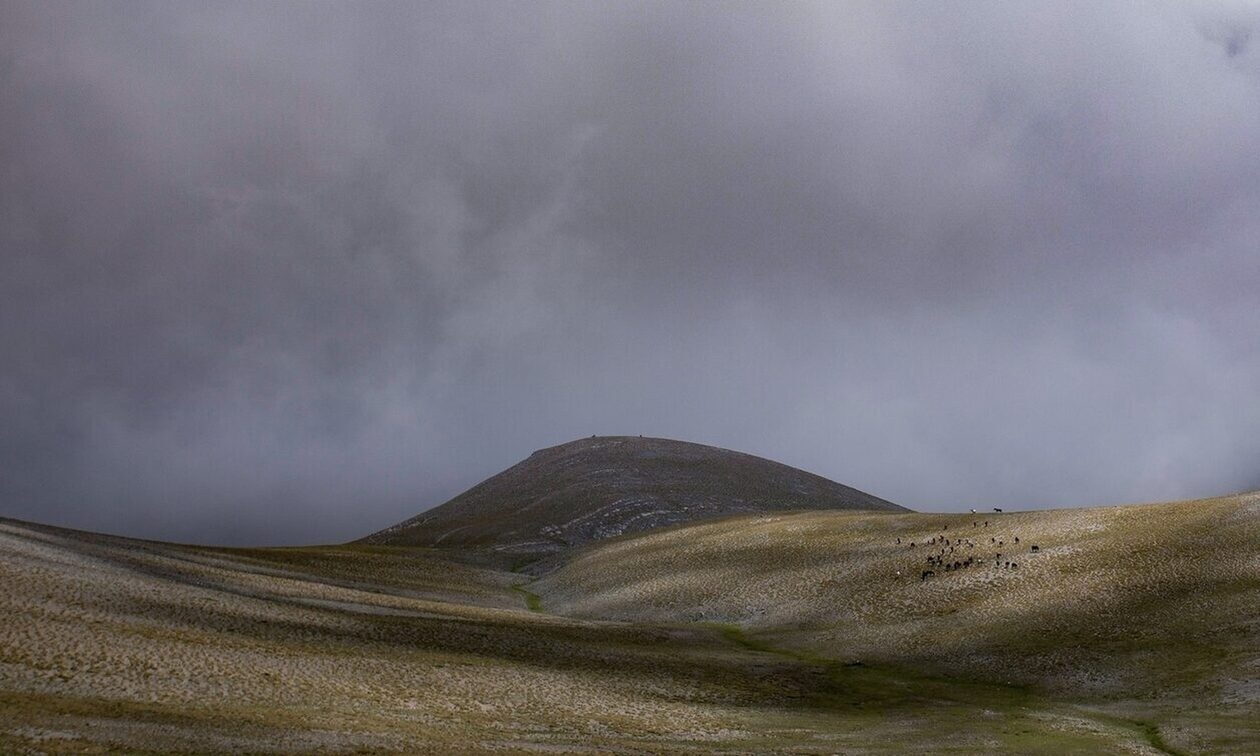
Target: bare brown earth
x,y
1134,630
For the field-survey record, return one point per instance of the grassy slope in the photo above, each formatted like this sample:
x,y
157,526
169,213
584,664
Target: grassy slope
x,y
1145,613
139,646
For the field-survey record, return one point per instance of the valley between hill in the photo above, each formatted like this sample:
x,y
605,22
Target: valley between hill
x,y
1132,630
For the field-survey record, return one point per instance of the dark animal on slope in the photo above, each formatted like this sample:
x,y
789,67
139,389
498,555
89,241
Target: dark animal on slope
x,y
997,509
1035,548
927,574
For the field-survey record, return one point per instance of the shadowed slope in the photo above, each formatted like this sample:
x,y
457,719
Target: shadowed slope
x,y
597,488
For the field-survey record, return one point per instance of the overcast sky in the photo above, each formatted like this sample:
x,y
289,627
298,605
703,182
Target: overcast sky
x,y
291,272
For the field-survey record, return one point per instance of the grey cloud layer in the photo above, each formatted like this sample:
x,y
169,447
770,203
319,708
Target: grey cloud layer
x,y
291,272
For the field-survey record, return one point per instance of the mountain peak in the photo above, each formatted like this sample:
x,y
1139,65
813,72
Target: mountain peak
x,y
600,487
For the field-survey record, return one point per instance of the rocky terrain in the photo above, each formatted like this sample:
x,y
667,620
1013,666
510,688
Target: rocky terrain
x,y
591,489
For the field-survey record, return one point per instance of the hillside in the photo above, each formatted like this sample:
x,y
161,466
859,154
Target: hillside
x,y
124,646
1148,611
597,488
112,645
1131,630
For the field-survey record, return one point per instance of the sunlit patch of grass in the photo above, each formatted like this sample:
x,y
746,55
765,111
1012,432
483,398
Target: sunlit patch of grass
x,y
1145,604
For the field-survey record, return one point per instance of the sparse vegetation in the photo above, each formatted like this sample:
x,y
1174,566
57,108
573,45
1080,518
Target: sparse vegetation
x,y
1145,613
1133,630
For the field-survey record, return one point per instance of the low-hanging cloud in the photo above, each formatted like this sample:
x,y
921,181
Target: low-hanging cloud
x,y
291,272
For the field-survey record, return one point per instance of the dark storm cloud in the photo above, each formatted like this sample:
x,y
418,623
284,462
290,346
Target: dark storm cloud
x,y
287,272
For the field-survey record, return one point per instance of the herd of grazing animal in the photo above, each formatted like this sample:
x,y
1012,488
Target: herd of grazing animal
x,y
959,553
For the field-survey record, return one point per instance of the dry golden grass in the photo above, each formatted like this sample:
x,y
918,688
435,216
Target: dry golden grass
x,y
1134,631
132,645
1151,608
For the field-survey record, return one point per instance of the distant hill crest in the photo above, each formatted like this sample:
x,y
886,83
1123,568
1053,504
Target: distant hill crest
x,y
605,486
